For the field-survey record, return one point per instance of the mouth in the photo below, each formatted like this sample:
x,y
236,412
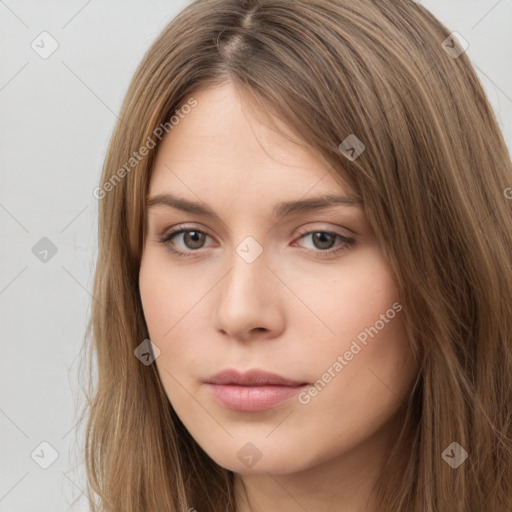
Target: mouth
x,y
252,391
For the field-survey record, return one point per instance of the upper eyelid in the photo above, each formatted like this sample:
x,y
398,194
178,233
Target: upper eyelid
x,y
180,228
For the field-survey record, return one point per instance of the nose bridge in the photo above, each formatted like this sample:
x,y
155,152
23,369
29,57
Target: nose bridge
x,y
246,299
249,271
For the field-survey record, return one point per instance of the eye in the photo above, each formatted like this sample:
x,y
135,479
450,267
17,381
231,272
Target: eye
x,y
323,241
192,238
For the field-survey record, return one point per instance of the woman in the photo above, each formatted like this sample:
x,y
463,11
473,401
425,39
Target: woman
x,y
304,207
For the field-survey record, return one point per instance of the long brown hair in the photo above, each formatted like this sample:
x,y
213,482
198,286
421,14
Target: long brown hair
x,y
433,178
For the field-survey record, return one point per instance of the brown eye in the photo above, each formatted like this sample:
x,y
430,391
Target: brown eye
x,y
194,239
191,241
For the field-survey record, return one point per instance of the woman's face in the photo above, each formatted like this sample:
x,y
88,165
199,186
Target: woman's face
x,y
304,293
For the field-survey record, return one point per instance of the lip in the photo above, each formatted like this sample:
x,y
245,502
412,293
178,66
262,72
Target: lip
x,y
251,391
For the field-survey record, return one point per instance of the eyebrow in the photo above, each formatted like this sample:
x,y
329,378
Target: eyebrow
x,y
280,210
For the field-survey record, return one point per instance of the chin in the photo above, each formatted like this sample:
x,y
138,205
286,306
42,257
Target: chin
x,y
249,460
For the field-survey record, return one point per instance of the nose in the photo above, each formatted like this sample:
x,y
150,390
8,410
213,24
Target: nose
x,y
248,302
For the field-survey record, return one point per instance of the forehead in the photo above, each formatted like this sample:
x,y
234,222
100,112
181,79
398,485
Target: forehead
x,y
225,146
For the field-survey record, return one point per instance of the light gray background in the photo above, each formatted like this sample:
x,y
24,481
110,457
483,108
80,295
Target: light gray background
x,y
56,117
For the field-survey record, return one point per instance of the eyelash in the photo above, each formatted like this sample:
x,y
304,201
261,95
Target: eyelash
x,y
167,238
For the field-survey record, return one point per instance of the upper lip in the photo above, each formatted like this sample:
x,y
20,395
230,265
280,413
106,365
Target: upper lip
x,y
253,377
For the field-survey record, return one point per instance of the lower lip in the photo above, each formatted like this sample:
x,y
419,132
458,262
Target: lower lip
x,y
252,398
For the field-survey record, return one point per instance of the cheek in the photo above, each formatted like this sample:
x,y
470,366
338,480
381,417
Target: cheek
x,y
365,356
173,309
154,297
164,292
348,298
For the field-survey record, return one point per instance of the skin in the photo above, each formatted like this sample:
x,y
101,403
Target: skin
x,y
290,312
